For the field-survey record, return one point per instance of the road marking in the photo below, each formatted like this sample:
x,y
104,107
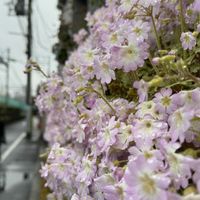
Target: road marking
x,y
12,147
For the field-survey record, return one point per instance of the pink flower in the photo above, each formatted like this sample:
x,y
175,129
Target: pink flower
x,y
142,90
140,29
145,108
164,101
142,182
125,6
129,57
78,197
123,108
110,188
111,2
153,156
179,122
107,136
179,166
196,6
147,3
87,171
188,40
146,130
79,132
124,137
111,38
113,192
190,100
103,71
80,36
75,197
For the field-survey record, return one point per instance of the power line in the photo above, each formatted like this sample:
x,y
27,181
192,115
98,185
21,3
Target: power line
x,y
16,87
21,26
44,28
38,39
17,76
9,59
45,24
17,60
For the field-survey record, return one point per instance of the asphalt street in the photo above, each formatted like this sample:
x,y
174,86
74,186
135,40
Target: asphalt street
x,y
19,163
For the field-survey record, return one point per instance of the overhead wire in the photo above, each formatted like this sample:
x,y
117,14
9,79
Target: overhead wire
x,y
38,39
41,29
17,76
21,26
36,29
13,71
45,26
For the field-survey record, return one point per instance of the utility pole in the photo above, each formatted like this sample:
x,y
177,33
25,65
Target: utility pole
x,y
28,88
6,63
19,8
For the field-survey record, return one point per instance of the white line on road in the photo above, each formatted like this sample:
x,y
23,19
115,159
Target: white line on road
x,y
12,147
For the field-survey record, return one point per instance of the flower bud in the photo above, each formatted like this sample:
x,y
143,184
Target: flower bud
x,y
189,190
180,64
162,52
190,152
168,58
155,82
173,52
156,61
78,100
195,33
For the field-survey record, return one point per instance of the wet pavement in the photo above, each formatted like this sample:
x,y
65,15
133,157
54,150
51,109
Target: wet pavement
x,y
12,131
21,165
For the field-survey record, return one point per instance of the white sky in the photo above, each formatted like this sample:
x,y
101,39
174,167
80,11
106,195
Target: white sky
x,y
45,28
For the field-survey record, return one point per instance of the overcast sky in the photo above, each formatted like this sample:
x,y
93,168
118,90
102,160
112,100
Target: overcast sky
x,y
12,28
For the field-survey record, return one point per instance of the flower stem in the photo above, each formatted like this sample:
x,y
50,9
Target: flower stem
x,y
135,75
102,88
182,19
194,78
155,32
105,100
154,67
43,73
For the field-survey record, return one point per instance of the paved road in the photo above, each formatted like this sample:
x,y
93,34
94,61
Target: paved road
x,y
20,165
12,131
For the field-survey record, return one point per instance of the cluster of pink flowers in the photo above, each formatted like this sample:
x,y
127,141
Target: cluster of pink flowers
x,y
105,147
